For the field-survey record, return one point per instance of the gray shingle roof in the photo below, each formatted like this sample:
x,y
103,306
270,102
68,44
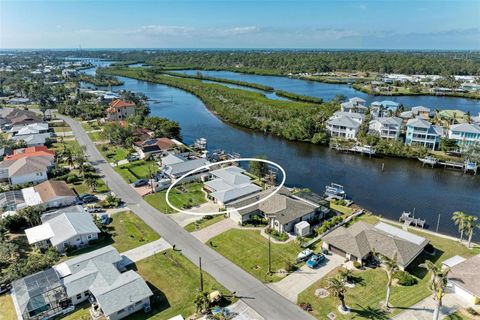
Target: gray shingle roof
x,y
466,127
344,121
466,275
71,224
362,238
179,169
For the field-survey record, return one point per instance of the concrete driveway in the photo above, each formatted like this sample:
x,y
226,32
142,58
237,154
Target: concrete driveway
x,y
424,309
145,251
291,286
214,230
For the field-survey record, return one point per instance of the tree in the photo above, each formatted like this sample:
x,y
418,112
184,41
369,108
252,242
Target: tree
x,y
201,301
459,218
337,288
32,215
438,283
91,182
390,266
470,225
431,268
258,168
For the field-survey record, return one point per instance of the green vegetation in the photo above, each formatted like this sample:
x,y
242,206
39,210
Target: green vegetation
x,y
174,281
100,80
8,309
291,120
200,76
183,196
204,222
135,170
113,152
249,250
298,97
365,299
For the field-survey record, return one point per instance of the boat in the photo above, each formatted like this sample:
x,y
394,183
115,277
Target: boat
x,y
305,254
200,143
335,190
429,160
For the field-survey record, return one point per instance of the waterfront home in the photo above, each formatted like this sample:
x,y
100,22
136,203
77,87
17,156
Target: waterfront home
x,y
229,184
283,210
354,105
175,170
146,148
463,278
120,110
465,134
27,169
420,132
386,127
96,277
476,119
344,124
357,242
67,230
421,111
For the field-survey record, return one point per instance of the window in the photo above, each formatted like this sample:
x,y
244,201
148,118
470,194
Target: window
x,y
79,296
89,236
78,239
86,293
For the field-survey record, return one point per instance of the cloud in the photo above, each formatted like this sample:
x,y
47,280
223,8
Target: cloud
x,y
161,30
156,30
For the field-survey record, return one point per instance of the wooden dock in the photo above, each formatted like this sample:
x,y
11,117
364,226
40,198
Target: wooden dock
x,y
407,219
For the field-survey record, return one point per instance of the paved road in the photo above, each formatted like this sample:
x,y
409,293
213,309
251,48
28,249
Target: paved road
x,y
265,301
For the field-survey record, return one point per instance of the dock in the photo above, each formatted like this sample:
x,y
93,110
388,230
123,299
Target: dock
x,y
407,219
466,166
363,149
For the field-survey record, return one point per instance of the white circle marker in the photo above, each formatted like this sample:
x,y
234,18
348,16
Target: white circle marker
x,y
207,166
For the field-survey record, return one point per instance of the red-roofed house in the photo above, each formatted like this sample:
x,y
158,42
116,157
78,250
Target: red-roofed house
x,y
120,110
30,152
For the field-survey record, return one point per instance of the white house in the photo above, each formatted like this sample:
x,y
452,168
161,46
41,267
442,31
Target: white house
x,y
465,134
464,280
24,170
69,229
354,105
386,127
344,124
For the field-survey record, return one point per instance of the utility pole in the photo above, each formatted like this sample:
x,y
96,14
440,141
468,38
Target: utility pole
x,y
201,273
269,255
438,222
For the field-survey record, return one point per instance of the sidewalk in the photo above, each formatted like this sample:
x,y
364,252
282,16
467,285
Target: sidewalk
x,y
424,309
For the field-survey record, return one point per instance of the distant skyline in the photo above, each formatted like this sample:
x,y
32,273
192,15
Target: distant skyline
x,y
389,24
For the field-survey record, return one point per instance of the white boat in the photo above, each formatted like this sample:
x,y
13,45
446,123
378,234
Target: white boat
x,y
304,254
429,160
335,190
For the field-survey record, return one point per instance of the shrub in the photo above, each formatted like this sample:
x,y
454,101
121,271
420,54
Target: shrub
x,y
306,306
357,264
280,236
208,217
71,178
405,278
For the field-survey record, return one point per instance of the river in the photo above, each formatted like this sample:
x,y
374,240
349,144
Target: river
x,y
402,185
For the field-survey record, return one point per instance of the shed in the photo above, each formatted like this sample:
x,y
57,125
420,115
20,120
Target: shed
x,y
302,228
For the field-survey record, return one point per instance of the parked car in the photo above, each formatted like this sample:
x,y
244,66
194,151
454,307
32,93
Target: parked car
x,y
315,260
104,219
304,255
5,287
133,157
86,195
140,183
89,199
95,210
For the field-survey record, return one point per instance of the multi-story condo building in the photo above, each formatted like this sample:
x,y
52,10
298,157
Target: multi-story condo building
x,y
423,133
386,127
465,134
344,124
354,105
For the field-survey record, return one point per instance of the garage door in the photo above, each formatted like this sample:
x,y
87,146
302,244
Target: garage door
x,y
338,251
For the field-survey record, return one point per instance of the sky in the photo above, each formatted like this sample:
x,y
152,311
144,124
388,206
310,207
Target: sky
x,y
339,24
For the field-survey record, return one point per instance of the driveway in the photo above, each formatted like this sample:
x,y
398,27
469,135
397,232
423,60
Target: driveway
x,y
424,309
291,286
266,302
145,251
214,230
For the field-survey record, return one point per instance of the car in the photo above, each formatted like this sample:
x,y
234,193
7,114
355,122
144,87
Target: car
x,y
90,199
95,210
105,219
304,255
86,195
133,157
315,260
5,287
140,183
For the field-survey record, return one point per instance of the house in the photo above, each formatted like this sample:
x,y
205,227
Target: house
x,y
465,134
178,169
13,116
120,110
476,119
27,169
464,280
30,152
386,127
95,277
32,140
421,111
229,184
283,209
18,101
354,105
358,241
344,124
68,230
383,108
32,128
145,148
52,194
422,133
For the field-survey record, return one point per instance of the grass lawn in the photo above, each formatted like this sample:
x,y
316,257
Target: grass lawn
x,y
60,145
81,312
365,300
8,310
61,129
249,250
203,223
128,232
457,316
174,281
97,136
193,196
91,125
137,170
113,152
81,188
347,211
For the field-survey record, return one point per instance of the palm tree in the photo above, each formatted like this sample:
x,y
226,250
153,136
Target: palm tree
x,y
201,301
459,220
31,215
91,182
390,266
439,284
432,268
470,224
337,288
